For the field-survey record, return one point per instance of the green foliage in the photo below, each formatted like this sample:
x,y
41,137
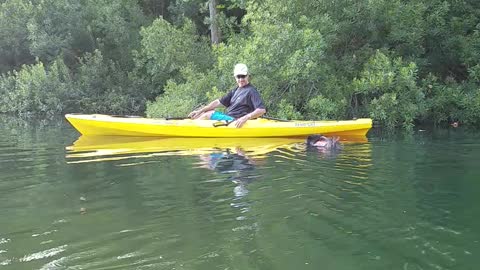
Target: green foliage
x,y
194,10
180,99
285,110
472,111
14,46
7,88
99,86
406,27
452,102
103,87
51,26
474,74
389,90
35,89
114,26
381,109
320,107
397,61
177,101
166,50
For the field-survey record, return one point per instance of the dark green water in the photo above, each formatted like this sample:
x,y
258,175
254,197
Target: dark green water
x,y
394,202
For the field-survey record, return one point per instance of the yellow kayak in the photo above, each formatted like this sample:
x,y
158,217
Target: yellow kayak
x,y
105,125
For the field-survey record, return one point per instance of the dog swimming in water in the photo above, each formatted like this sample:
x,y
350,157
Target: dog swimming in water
x,y
321,142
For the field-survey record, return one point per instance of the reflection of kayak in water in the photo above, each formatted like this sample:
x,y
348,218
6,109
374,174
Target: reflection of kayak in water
x,y
105,125
103,146
90,146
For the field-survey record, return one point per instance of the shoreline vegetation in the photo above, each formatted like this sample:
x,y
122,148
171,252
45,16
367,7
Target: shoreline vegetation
x,y
400,63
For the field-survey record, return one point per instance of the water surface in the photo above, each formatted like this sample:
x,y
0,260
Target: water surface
x,y
392,202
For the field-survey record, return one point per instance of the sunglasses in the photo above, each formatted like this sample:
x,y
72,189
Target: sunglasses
x,y
241,76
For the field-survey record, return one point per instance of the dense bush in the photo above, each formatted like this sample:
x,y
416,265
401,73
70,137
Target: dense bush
x,y
14,43
388,89
35,89
101,86
166,50
180,99
452,102
399,62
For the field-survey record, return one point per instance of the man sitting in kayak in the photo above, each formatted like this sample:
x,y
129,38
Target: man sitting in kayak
x,y
243,102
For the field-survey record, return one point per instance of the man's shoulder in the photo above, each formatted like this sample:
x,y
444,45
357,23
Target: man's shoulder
x,y
231,92
250,87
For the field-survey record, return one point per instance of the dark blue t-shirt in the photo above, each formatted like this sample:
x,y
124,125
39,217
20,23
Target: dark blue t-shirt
x,y
242,100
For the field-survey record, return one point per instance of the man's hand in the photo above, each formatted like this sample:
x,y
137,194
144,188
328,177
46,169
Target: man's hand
x,y
240,121
194,114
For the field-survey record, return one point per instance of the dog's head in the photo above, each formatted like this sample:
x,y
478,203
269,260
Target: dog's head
x,y
323,142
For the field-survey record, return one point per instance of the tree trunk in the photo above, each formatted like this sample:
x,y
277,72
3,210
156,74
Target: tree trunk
x,y
214,29
162,8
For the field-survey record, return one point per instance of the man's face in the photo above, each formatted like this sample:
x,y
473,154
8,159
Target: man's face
x,y
242,80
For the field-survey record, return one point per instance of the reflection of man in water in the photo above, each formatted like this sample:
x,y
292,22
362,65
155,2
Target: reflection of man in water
x,y
236,163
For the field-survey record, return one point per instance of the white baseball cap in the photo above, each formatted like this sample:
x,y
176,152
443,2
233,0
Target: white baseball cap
x,y
240,69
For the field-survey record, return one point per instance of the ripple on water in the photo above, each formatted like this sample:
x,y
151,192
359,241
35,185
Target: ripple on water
x,y
352,195
380,205
4,240
55,264
43,254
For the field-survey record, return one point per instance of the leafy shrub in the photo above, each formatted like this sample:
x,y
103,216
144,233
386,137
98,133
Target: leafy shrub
x,y
451,102
14,42
320,107
285,110
7,86
381,109
389,90
165,50
35,89
472,111
179,99
101,86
